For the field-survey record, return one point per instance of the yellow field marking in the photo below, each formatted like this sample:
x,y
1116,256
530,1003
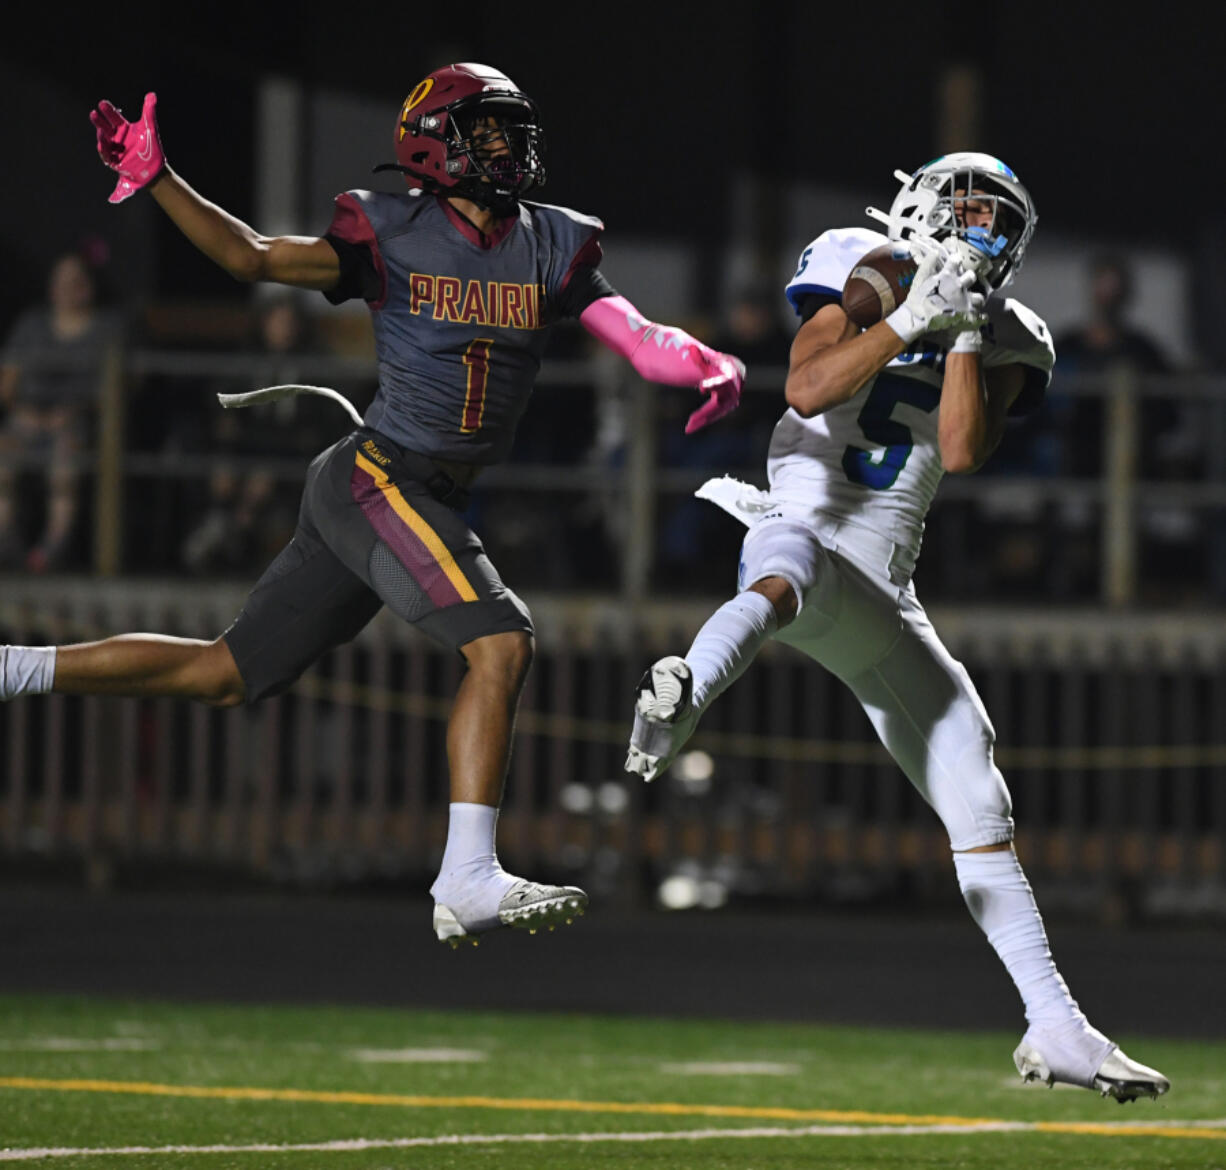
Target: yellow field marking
x,y
539,1104
1130,1129
652,1108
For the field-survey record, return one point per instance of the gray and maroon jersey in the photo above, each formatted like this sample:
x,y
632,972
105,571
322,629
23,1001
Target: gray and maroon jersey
x,y
460,319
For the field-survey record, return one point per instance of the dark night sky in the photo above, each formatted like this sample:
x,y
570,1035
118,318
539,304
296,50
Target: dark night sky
x,y
649,112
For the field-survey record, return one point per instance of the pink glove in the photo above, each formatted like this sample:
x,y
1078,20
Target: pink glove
x,y
131,149
724,388
664,353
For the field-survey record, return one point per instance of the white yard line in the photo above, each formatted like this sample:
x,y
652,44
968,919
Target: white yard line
x,y
77,1044
687,1135
417,1055
497,1139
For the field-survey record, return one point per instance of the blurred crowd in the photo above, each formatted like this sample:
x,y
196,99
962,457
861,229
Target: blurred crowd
x,y
221,497
50,380
1048,544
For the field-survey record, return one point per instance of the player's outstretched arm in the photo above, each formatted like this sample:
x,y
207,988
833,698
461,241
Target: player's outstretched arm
x,y
301,261
664,353
133,150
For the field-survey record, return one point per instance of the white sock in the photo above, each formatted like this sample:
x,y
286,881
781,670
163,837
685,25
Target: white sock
x,y
26,670
727,644
1001,901
470,881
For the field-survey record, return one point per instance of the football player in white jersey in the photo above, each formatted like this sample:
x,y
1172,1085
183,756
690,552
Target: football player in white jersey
x,y
875,418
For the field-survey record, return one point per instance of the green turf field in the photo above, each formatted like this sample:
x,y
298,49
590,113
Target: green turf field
x,y
334,1088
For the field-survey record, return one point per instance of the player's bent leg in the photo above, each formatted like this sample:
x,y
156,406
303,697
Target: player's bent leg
x,y
473,893
133,665
779,562
929,716
371,503
1060,1044
482,720
674,692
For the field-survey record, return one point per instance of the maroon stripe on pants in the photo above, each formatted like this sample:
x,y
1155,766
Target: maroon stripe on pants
x,y
405,544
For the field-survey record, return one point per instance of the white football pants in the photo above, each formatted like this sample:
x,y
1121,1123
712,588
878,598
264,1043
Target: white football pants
x,y
874,635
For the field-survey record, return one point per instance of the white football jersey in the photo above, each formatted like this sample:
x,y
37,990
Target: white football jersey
x,y
875,461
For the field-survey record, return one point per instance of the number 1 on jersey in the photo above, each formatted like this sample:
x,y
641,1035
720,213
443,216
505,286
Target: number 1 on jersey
x,y
477,359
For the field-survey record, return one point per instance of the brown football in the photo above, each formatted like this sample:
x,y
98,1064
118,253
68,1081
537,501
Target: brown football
x,y
878,284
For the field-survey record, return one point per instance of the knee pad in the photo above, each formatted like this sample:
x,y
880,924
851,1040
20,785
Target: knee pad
x,y
775,548
974,802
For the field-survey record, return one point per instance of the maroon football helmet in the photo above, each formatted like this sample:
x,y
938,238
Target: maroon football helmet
x,y
439,146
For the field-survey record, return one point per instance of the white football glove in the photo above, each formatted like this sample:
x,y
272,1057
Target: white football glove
x,y
940,298
979,262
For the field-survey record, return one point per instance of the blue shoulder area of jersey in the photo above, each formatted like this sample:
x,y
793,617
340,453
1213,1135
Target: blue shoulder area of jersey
x,y
824,264
796,293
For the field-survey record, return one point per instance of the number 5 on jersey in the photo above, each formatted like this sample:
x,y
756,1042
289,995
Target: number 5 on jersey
x,y
477,359
877,424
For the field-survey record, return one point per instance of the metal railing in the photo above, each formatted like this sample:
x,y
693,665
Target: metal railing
x,y
615,465
1108,714
1109,734
620,464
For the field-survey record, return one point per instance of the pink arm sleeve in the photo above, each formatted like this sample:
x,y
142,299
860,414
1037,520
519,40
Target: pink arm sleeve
x,y
660,353
664,353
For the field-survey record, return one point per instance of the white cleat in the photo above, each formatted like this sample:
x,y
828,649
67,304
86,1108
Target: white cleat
x,y
447,927
525,906
664,717
1115,1075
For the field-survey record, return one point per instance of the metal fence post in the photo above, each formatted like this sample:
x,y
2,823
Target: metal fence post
x,y
1119,536
1215,446
108,481
640,485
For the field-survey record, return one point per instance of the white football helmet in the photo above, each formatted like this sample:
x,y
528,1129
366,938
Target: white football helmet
x,y
928,206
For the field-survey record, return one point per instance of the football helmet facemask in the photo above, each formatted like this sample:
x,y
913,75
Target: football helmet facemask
x,y
931,204
466,130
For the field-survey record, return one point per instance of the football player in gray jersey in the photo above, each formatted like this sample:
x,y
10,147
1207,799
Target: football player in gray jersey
x,y
876,417
463,278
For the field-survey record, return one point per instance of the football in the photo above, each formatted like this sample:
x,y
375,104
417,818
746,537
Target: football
x,y
878,284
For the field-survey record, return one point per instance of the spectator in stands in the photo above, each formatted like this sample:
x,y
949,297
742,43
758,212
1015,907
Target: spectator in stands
x,y
1107,337
249,510
50,379
1035,545
1168,432
693,535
